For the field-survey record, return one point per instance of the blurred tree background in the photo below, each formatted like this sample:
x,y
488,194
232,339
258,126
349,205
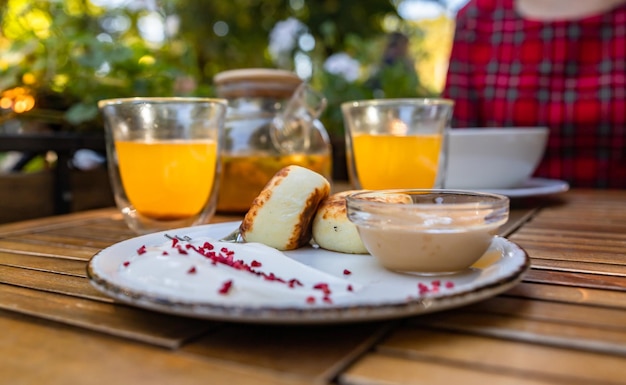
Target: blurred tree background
x,y
59,57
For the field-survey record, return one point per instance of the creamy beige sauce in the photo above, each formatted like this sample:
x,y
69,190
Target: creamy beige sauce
x,y
427,251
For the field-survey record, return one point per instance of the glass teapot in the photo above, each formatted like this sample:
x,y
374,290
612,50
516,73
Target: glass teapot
x,y
271,123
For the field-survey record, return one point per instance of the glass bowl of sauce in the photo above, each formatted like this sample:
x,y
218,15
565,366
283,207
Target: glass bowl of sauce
x,y
427,231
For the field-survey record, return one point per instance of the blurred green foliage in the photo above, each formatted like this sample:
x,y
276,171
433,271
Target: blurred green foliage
x,y
69,54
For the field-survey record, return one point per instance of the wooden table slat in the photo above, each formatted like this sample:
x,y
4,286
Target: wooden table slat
x,y
71,285
59,355
579,267
588,225
82,218
573,252
530,330
279,348
583,280
569,294
377,368
533,234
121,321
34,262
504,356
565,314
55,251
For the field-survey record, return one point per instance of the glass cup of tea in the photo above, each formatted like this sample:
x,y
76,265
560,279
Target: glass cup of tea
x,y
163,159
396,143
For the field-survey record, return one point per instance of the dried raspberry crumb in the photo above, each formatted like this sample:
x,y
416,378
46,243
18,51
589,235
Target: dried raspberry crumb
x,y
449,284
226,286
327,300
323,287
255,264
192,270
141,250
126,263
436,283
349,288
165,253
346,272
310,300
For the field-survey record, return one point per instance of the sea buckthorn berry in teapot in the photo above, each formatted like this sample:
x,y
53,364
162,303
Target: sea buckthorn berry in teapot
x,y
250,156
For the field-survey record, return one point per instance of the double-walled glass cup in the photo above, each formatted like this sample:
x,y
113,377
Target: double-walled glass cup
x,y
163,159
396,143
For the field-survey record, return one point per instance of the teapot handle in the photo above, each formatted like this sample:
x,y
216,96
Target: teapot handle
x,y
290,130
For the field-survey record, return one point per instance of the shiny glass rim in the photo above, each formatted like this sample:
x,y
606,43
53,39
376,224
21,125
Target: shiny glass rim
x,y
161,100
356,198
398,102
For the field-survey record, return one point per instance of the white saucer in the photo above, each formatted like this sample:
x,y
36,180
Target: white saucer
x,y
381,294
534,187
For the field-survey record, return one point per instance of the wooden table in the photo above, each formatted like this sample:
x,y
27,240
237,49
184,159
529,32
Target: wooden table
x,y
565,323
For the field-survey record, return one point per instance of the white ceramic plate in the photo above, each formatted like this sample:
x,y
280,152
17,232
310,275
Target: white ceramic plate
x,y
381,294
534,187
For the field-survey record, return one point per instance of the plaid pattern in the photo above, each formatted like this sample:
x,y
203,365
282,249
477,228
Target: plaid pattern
x,y
567,75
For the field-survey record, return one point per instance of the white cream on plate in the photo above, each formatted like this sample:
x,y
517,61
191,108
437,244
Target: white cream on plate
x,y
205,269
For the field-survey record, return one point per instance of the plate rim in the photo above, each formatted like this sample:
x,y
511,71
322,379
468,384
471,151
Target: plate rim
x,y
270,314
546,186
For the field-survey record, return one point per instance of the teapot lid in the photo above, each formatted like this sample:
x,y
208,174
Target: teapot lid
x,y
264,82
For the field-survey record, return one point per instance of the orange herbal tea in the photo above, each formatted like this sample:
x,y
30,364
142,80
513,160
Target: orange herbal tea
x,y
167,179
245,175
389,161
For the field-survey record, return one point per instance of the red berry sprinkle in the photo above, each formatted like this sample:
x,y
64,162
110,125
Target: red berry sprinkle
x,y
141,250
192,270
226,286
126,263
349,288
323,287
346,272
310,300
434,287
255,264
423,289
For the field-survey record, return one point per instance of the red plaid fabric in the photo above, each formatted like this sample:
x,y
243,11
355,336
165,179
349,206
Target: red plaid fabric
x,y
567,75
